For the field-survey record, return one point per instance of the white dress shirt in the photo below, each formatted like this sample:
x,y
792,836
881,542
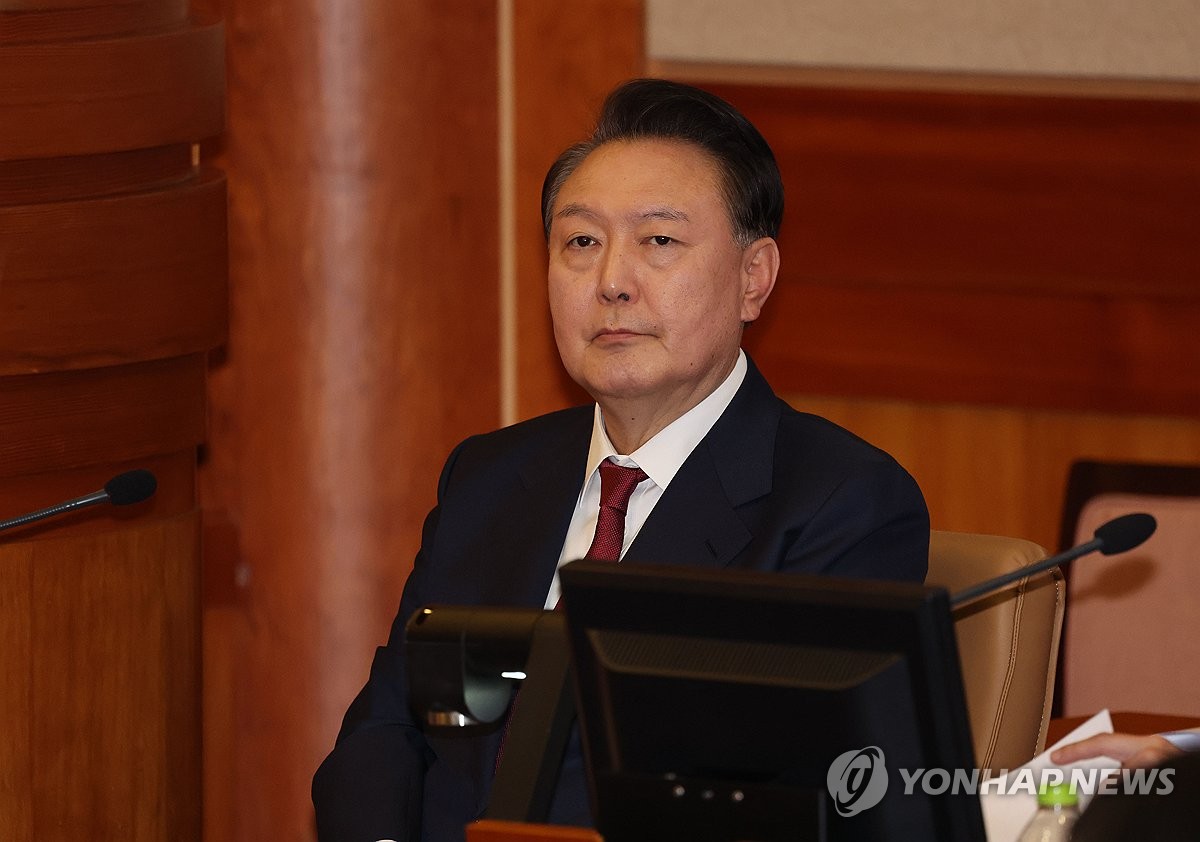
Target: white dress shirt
x,y
1186,740
661,458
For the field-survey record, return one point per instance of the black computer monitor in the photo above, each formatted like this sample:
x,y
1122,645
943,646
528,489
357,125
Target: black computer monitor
x,y
714,703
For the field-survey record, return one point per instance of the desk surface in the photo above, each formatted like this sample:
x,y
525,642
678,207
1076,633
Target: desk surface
x,y
490,830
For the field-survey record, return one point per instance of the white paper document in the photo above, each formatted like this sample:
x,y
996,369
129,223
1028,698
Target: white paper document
x,y
1005,812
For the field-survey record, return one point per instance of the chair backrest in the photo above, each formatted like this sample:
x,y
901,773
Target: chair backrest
x,y
1129,639
1007,642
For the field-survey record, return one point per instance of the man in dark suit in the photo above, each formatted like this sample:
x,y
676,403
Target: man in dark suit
x,y
661,232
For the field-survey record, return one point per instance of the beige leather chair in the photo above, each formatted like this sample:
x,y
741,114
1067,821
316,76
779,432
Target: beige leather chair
x,y
1007,642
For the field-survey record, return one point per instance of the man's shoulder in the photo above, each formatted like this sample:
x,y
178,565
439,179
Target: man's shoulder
x,y
763,429
529,451
562,421
758,408
817,453
818,436
526,439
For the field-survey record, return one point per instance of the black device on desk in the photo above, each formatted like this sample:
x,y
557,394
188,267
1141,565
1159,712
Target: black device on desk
x,y
713,704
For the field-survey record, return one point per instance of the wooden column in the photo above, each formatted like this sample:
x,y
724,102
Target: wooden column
x,y
362,159
112,290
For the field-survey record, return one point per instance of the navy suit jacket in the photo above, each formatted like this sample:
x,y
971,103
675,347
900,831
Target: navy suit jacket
x,y
767,489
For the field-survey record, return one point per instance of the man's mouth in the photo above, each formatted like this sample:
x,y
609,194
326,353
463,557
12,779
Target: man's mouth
x,y
616,333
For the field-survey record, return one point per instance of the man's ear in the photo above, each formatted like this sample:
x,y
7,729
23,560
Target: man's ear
x,y
760,266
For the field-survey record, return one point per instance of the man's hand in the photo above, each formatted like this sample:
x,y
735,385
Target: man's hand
x,y
1134,751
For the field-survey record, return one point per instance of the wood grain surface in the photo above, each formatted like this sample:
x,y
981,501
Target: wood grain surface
x,y
112,292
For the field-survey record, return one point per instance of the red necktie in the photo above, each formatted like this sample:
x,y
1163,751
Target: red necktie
x,y
616,485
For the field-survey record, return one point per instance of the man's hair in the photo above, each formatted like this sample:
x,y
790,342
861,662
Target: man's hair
x,y
659,109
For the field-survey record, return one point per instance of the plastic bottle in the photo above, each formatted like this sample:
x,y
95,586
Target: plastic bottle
x,y
1058,810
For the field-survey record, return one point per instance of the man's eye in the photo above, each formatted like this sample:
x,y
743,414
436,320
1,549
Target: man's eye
x,y
582,241
662,240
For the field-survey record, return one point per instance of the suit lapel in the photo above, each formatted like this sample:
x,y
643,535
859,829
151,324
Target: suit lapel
x,y
693,522
540,513
700,519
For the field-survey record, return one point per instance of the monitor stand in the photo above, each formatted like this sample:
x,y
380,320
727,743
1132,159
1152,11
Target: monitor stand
x,y
539,725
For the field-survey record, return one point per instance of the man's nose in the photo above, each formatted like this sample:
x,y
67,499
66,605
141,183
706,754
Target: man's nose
x,y
618,277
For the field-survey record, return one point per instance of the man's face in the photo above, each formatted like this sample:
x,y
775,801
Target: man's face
x,y
648,287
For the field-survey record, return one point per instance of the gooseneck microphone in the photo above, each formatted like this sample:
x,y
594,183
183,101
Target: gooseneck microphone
x,y
122,490
1117,536
1124,533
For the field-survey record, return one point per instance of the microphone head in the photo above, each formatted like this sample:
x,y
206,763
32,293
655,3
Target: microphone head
x,y
1125,532
131,487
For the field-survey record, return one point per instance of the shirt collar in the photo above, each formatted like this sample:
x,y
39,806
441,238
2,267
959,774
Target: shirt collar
x,y
663,456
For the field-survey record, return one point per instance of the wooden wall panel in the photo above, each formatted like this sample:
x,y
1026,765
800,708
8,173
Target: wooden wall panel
x,y
1087,352
158,247
1027,250
974,191
112,290
141,613
1003,471
63,419
58,97
31,21
89,176
16,702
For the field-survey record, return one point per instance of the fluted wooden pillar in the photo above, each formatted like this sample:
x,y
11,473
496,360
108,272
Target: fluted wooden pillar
x,y
112,291
362,160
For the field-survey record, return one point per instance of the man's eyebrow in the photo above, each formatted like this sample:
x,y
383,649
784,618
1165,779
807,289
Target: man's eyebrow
x,y
664,212
658,212
574,209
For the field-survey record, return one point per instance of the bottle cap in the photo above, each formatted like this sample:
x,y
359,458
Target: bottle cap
x,y
1057,795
